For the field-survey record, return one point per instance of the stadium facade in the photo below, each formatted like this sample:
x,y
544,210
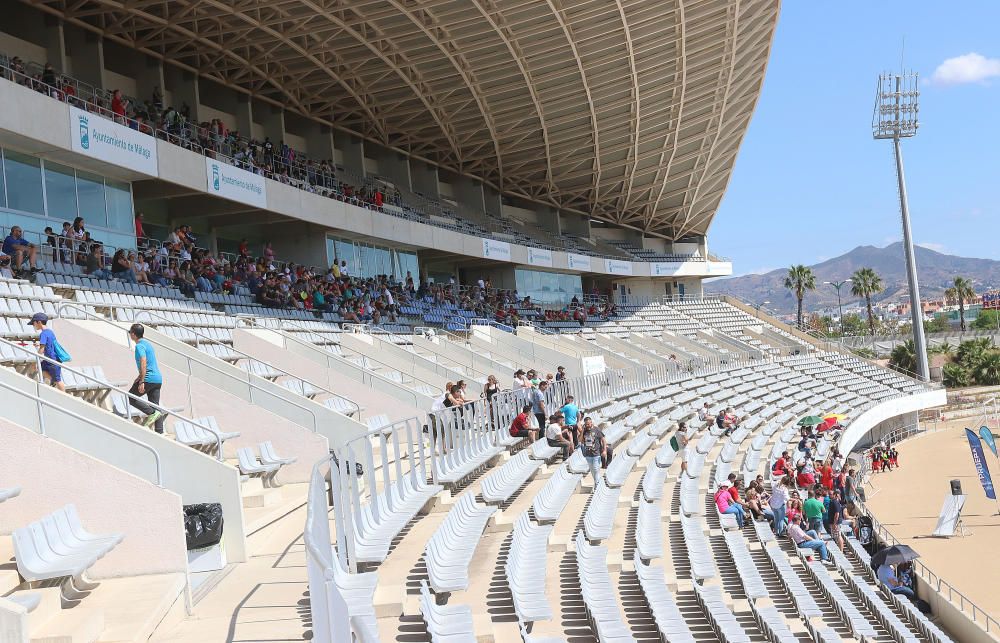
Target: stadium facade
x,y
554,148
607,131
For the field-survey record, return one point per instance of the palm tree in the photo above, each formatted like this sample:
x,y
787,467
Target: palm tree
x,y
960,291
987,372
903,357
865,282
800,279
971,353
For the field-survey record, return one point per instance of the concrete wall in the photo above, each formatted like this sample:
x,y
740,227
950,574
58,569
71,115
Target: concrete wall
x,y
92,342
858,430
269,346
36,124
108,500
194,476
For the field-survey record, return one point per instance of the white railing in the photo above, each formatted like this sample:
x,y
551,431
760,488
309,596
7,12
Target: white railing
x,y
40,359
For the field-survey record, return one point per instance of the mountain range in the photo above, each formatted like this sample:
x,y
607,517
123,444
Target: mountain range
x,y
935,270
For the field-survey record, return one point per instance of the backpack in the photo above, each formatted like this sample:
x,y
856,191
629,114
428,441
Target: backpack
x,y
60,353
866,530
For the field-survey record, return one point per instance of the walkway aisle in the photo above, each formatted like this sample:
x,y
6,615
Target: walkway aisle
x,y
264,599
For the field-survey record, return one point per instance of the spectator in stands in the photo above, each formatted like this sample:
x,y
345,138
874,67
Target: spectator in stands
x,y
571,413
522,426
140,234
140,268
834,517
812,508
557,434
121,267
807,539
77,233
724,503
704,413
560,373
18,248
149,381
851,492
118,105
826,475
95,263
594,447
537,397
758,509
51,370
778,503
888,577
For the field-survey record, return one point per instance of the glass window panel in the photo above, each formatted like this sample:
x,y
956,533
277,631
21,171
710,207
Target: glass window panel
x,y
547,287
24,182
90,199
60,191
119,200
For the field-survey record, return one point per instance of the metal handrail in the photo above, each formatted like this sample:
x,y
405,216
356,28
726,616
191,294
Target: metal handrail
x,y
39,358
189,361
379,362
979,616
379,332
76,416
211,340
291,337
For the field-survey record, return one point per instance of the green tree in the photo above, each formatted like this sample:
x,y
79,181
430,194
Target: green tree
x,y
987,372
987,320
800,279
944,348
865,282
903,357
970,353
853,324
955,376
938,324
960,291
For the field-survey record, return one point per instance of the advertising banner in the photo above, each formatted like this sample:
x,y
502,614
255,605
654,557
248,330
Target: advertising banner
x,y
231,182
105,140
979,459
578,262
499,250
616,267
663,269
987,435
540,257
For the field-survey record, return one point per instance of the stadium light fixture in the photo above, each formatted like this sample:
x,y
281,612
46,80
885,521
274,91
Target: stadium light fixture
x,y
838,285
895,117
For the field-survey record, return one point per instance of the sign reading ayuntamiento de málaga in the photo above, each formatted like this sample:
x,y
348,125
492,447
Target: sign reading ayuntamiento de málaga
x,y
234,183
105,140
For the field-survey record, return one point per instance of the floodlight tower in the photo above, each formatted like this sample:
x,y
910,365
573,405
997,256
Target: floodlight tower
x,y
895,117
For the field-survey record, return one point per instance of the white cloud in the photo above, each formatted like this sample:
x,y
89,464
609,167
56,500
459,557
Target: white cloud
x,y
937,247
968,68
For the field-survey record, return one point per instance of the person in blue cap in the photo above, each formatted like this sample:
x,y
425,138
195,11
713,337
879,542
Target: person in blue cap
x,y
52,371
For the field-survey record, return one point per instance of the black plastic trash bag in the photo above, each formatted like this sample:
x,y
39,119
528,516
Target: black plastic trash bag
x,y
203,524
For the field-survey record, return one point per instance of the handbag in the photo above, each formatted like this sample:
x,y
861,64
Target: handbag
x,y
60,353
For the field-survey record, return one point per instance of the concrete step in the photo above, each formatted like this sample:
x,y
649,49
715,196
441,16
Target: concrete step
x,y
77,625
262,498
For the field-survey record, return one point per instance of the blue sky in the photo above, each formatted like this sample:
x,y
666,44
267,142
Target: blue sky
x,y
810,182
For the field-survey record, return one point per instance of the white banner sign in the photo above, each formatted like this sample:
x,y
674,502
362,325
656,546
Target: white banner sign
x,y
108,141
540,257
231,182
498,250
615,267
593,364
578,262
663,269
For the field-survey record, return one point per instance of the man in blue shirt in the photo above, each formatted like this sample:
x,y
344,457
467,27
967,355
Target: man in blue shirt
x,y
149,381
19,250
47,347
571,412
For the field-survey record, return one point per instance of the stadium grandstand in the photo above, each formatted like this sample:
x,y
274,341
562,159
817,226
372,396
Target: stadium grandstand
x,y
383,321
